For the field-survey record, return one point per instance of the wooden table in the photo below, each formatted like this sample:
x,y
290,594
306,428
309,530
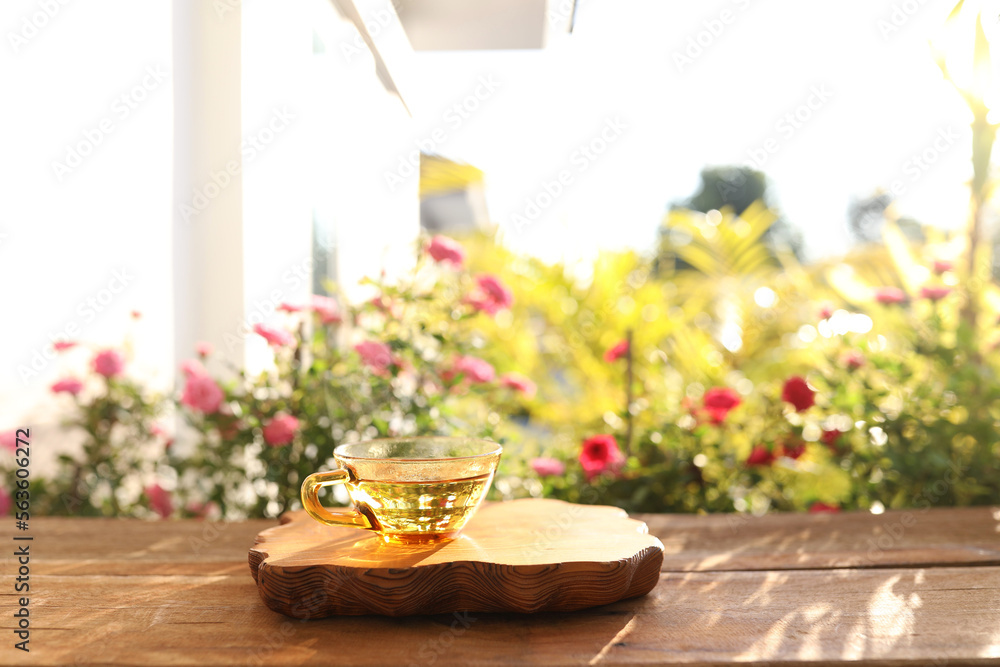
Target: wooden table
x,y
901,588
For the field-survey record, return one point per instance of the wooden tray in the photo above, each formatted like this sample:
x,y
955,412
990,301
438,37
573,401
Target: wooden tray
x,y
523,556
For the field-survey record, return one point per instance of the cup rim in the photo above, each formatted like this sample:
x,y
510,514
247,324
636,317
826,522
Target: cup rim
x,y
495,450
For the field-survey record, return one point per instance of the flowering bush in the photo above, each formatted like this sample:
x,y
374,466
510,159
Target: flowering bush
x,y
410,361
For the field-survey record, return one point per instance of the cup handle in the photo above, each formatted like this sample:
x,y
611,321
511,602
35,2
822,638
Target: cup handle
x,y
310,501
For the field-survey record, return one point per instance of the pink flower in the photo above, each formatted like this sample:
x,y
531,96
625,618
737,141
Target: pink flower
x,y
760,456
280,430
68,385
935,293
202,393
518,383
63,345
203,348
942,266
109,363
718,401
600,454
616,351
890,295
798,392
201,510
375,355
826,311
853,360
289,307
159,500
545,466
135,314
8,440
5,502
192,367
326,308
491,296
818,508
274,337
444,249
474,368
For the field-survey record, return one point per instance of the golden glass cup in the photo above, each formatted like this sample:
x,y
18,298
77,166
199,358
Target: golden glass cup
x,y
411,490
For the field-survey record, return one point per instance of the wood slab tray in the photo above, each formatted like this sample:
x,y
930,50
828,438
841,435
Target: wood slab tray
x,y
526,556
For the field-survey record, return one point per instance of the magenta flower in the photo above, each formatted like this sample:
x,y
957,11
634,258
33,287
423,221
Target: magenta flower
x,y
5,502
202,393
67,385
375,355
8,440
942,266
109,363
63,345
545,466
890,295
274,337
203,348
444,249
286,307
491,296
280,430
327,309
935,293
519,383
616,351
475,369
159,500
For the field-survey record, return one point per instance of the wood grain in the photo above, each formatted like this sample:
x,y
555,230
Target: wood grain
x,y
875,617
523,556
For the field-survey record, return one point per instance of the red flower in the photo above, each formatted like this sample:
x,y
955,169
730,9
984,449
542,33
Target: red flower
x,y
491,295
830,438
792,450
760,456
159,500
274,337
474,368
942,266
600,454
444,249
376,356
109,363
616,351
518,383
854,360
62,345
798,393
327,309
818,507
826,311
890,295
68,385
718,401
280,430
935,293
202,393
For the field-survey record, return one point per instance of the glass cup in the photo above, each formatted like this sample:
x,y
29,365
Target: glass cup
x,y
411,490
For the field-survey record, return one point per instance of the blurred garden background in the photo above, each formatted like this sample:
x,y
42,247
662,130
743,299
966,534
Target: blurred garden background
x,y
675,260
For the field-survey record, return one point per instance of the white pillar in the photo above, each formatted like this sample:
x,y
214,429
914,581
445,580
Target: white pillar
x,y
208,216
